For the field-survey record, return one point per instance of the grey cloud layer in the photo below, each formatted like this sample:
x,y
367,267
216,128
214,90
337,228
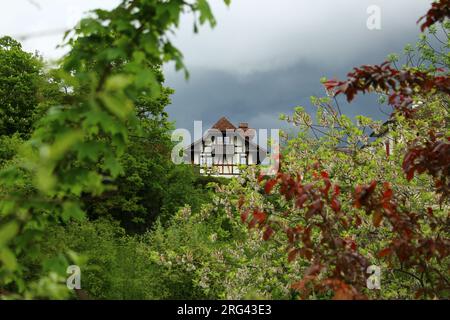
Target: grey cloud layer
x,y
263,58
257,98
254,35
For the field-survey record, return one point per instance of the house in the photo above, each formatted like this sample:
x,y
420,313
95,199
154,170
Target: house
x,y
224,149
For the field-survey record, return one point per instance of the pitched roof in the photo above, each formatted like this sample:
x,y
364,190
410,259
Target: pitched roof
x,y
223,124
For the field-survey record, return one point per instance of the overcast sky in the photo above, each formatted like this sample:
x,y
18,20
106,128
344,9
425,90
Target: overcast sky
x,y
263,58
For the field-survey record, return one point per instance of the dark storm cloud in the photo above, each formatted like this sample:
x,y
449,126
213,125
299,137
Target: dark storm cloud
x,y
252,76
210,94
259,97
263,58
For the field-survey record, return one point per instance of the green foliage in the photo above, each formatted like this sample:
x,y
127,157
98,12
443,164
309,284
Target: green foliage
x,y
352,155
19,74
24,90
203,255
9,146
109,67
149,185
429,53
93,184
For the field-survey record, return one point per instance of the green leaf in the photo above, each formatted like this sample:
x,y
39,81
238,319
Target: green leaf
x,y
113,166
72,210
63,143
7,207
118,82
89,150
8,258
205,13
56,264
118,106
7,232
145,78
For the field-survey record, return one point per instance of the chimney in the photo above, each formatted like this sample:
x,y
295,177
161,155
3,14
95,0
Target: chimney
x,y
246,131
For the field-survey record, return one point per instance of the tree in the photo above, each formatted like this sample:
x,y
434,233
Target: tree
x,y
151,186
111,58
344,202
19,88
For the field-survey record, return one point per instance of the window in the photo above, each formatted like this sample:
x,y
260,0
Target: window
x,y
226,140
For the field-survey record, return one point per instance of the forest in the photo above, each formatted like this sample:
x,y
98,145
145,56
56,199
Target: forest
x,y
87,178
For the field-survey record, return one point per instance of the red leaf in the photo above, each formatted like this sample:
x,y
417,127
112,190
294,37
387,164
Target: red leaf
x,y
385,252
377,217
439,12
306,253
387,190
244,216
372,187
327,187
259,216
301,200
292,254
269,185
306,237
362,193
337,190
241,202
353,245
324,174
335,205
410,174
290,235
268,233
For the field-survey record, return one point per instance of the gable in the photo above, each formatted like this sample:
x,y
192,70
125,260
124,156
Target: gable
x,y
223,124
